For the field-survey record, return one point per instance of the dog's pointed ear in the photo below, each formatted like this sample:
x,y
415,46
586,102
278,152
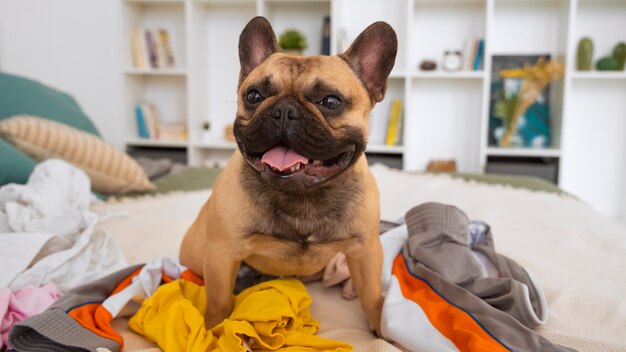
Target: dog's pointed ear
x,y
256,43
372,56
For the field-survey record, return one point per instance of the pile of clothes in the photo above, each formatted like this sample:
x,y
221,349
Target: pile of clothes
x,y
445,286
50,241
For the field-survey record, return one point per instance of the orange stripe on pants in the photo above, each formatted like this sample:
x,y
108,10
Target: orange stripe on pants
x,y
452,322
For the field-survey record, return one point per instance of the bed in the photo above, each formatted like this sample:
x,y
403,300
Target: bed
x,y
577,255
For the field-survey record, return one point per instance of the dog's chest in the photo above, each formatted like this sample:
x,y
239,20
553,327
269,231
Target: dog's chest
x,y
272,255
303,228
284,244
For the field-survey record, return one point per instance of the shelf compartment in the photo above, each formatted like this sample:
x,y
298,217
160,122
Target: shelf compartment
x,y
455,23
535,166
512,35
304,16
445,122
214,60
349,25
602,21
168,15
380,114
166,93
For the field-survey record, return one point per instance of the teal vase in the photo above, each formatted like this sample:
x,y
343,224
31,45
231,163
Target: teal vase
x,y
619,54
584,55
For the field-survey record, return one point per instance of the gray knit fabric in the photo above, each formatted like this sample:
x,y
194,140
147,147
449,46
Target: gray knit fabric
x,y
54,330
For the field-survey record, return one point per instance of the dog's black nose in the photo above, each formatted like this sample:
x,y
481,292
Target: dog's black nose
x,y
287,109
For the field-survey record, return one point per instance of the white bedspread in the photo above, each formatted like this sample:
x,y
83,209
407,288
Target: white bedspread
x,y
578,256
48,233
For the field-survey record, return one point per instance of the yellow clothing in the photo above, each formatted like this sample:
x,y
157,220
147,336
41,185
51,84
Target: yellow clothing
x,y
272,315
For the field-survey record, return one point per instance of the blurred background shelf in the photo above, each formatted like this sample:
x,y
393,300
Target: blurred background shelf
x,y
445,114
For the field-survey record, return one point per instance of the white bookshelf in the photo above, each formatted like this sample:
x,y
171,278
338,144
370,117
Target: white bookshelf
x,y
445,113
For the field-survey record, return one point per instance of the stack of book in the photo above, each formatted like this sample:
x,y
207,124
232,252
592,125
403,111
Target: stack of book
x,y
173,131
151,48
474,55
394,124
149,127
326,36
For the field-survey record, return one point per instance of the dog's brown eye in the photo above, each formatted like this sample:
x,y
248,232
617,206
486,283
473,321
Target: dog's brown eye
x,y
331,102
254,97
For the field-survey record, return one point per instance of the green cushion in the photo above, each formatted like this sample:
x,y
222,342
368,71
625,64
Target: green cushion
x,y
23,96
15,166
194,179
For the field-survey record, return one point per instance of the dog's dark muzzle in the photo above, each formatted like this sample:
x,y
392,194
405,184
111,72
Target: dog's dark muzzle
x,y
292,150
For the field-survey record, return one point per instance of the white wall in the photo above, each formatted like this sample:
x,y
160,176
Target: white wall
x,y
72,45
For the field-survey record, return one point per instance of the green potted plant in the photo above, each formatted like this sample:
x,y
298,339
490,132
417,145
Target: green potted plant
x,y
292,41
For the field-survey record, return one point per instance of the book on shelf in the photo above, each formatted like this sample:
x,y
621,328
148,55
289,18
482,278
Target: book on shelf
x,y
473,54
151,48
149,126
326,36
142,128
152,121
394,124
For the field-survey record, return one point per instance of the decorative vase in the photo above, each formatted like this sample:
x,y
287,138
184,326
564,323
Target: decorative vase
x,y
619,53
584,55
607,64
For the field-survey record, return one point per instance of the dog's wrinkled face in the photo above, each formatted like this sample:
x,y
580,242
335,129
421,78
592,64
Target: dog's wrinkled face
x,y
303,120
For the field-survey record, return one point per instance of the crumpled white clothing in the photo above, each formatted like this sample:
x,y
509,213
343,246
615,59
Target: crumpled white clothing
x,y
48,233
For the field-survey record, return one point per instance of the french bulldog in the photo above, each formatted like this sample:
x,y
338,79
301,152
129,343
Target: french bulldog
x,y
298,188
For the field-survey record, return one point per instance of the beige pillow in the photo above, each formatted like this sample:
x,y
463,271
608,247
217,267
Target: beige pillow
x,y
111,171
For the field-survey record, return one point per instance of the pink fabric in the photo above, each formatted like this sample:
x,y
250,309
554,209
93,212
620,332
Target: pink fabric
x,y
21,304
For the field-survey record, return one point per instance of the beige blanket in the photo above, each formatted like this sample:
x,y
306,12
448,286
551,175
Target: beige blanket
x,y
578,256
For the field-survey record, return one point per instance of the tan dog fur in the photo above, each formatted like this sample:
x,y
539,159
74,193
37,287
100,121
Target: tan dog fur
x,y
221,239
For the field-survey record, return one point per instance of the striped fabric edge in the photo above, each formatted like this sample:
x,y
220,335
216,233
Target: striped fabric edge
x,y
97,317
110,170
453,322
94,315
500,326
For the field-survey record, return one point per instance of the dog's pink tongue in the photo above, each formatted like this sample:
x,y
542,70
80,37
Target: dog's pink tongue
x,y
282,157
